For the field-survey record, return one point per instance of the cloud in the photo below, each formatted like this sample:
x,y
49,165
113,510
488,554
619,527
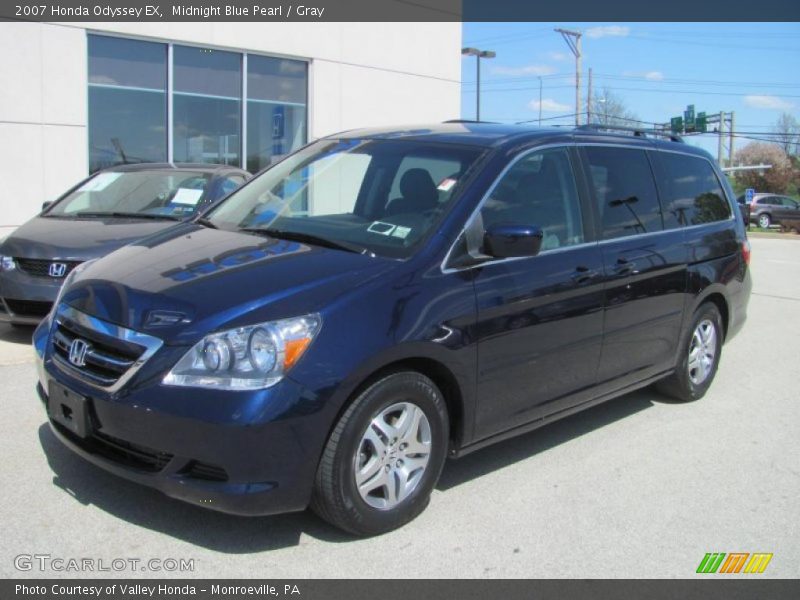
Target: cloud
x,y
607,31
649,75
549,105
768,102
526,70
558,55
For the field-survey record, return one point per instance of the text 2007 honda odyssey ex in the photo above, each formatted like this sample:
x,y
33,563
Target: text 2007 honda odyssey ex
x,y
381,300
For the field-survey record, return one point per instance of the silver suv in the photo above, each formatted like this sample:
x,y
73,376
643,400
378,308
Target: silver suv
x,y
773,209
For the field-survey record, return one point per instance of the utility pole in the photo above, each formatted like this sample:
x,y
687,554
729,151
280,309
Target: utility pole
x,y
720,142
731,138
573,40
540,101
589,100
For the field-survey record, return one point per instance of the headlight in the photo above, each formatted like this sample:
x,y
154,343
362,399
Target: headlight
x,y
7,263
247,358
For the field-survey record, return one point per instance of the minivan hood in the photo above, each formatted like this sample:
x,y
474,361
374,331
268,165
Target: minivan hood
x,y
77,239
185,282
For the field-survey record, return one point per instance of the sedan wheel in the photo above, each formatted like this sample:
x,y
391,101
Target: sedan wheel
x,y
764,221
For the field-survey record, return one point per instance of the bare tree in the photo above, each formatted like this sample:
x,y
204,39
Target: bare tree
x,y
609,108
788,130
776,179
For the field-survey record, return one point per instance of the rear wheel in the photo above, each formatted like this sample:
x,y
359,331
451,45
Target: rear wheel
x,y
764,221
701,349
384,456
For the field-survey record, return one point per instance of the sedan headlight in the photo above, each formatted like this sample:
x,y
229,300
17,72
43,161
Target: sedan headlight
x,y
7,263
245,358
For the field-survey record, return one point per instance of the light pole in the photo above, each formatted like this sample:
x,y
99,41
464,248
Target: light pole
x,y
478,54
604,102
540,101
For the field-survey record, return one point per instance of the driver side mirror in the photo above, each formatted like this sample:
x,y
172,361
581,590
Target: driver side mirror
x,y
512,241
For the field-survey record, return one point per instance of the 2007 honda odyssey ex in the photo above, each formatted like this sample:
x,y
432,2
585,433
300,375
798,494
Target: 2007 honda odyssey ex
x,y
383,299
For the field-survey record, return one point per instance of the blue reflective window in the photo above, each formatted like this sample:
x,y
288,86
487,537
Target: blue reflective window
x,y
127,101
276,109
206,105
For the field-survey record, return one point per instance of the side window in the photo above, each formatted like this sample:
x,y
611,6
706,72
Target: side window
x,y
764,200
692,194
627,202
539,190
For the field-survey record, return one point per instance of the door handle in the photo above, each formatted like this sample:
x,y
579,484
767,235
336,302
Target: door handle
x,y
583,274
624,266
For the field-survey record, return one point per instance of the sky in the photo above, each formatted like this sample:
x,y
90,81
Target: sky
x,y
657,69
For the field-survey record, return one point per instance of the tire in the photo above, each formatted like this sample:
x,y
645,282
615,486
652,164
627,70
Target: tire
x,y
688,384
764,221
361,445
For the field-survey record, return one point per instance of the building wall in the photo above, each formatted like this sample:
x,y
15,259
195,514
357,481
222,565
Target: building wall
x,y
360,74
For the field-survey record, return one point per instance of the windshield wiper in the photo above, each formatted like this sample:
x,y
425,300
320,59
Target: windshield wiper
x,y
127,215
297,236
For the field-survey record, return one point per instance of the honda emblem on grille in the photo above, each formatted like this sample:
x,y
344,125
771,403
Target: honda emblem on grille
x,y
77,352
57,269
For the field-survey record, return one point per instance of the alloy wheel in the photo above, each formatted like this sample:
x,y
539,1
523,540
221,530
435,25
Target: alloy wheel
x,y
392,455
702,352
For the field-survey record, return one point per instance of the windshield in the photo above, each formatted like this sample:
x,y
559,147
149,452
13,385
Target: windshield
x,y
157,193
382,196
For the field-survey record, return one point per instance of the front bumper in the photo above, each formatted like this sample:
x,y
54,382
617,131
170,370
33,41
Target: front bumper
x,y
246,453
26,299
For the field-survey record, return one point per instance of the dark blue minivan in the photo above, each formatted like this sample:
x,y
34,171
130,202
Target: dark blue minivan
x,y
383,299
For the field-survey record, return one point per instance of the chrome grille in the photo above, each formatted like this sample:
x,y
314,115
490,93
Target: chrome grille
x,y
112,354
40,267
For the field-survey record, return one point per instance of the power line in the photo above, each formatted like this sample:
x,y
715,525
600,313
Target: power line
x,y
509,38
633,89
710,45
641,78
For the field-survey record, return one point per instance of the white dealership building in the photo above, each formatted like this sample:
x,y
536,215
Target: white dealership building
x,y
78,97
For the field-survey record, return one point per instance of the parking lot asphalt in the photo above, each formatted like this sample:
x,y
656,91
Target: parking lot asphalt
x,y
638,487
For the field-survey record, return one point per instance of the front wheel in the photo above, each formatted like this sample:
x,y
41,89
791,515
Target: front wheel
x,y
699,358
384,456
764,221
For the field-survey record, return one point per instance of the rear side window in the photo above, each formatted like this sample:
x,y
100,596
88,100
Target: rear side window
x,y
692,194
627,202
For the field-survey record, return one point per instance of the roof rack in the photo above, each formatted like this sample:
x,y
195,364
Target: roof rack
x,y
468,121
636,131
